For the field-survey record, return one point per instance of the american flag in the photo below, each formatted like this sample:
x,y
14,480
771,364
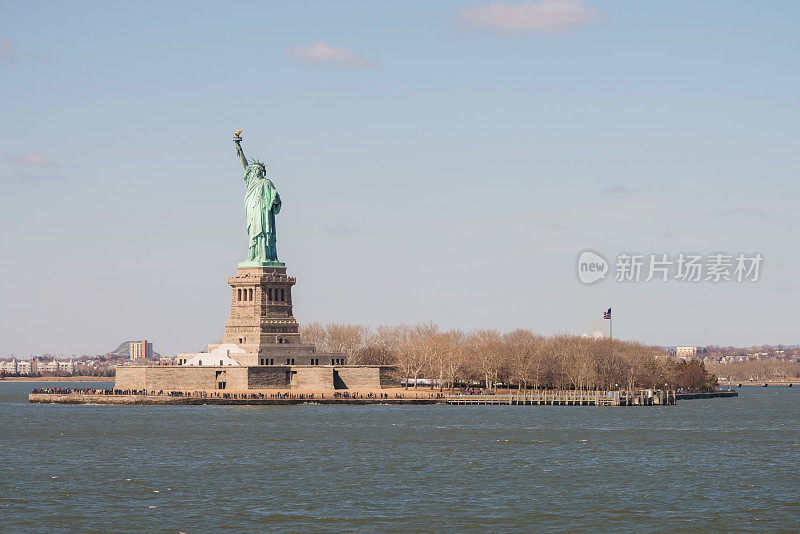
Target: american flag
x,y
607,315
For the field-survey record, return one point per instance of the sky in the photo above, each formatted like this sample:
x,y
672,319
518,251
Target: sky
x,y
437,161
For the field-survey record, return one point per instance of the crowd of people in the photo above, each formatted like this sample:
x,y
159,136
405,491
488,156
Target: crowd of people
x,y
356,395
239,395
397,395
292,395
69,391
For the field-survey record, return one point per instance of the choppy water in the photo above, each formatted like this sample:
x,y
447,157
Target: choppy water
x,y
724,465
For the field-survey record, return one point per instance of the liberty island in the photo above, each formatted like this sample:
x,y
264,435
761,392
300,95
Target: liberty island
x,y
263,360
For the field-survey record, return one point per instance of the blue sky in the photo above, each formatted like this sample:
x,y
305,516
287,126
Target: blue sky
x,y
442,161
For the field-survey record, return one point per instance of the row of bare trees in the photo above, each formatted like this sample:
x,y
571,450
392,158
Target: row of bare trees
x,y
763,369
520,358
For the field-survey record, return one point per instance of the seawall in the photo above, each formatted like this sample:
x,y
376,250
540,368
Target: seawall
x,y
278,400
706,395
167,400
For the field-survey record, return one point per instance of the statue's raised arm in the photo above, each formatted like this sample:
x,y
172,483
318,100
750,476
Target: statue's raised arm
x,y
237,139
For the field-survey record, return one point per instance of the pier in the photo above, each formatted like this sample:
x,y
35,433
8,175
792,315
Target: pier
x,y
645,397
721,393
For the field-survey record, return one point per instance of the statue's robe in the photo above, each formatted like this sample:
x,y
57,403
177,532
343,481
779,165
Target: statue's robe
x,y
261,203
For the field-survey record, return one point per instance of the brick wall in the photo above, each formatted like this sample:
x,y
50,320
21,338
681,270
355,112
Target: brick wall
x,y
312,378
179,378
190,378
130,377
267,377
360,377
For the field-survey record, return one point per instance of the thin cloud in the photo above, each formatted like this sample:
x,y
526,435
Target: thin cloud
x,y
22,178
340,229
618,190
553,227
31,159
747,211
322,53
544,16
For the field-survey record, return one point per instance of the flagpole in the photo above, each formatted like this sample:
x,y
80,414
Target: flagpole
x,y
611,329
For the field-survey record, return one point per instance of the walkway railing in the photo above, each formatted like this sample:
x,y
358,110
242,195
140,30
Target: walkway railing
x,y
571,398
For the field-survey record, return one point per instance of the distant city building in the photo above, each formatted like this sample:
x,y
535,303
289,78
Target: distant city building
x,y
124,350
686,353
21,367
56,366
141,350
91,363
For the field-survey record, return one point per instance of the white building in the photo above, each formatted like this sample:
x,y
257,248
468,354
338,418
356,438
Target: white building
x,y
686,353
56,366
88,364
220,356
22,367
9,367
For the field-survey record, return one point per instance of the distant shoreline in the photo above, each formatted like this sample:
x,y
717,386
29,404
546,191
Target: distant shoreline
x,y
104,379
263,398
773,382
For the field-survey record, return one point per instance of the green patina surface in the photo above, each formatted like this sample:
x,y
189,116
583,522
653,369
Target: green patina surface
x,y
257,263
261,203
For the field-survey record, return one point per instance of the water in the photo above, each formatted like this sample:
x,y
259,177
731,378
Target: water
x,y
720,465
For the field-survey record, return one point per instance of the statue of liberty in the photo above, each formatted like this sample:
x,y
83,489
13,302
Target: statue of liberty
x,y
261,204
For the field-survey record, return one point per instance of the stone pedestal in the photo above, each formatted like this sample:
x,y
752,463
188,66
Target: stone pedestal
x,y
261,309
262,323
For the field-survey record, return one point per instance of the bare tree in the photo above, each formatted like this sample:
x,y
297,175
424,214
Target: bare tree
x,y
520,357
346,338
521,349
377,349
484,346
408,355
454,356
313,333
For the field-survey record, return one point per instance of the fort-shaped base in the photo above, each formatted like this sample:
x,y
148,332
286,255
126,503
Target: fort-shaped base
x,y
261,348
